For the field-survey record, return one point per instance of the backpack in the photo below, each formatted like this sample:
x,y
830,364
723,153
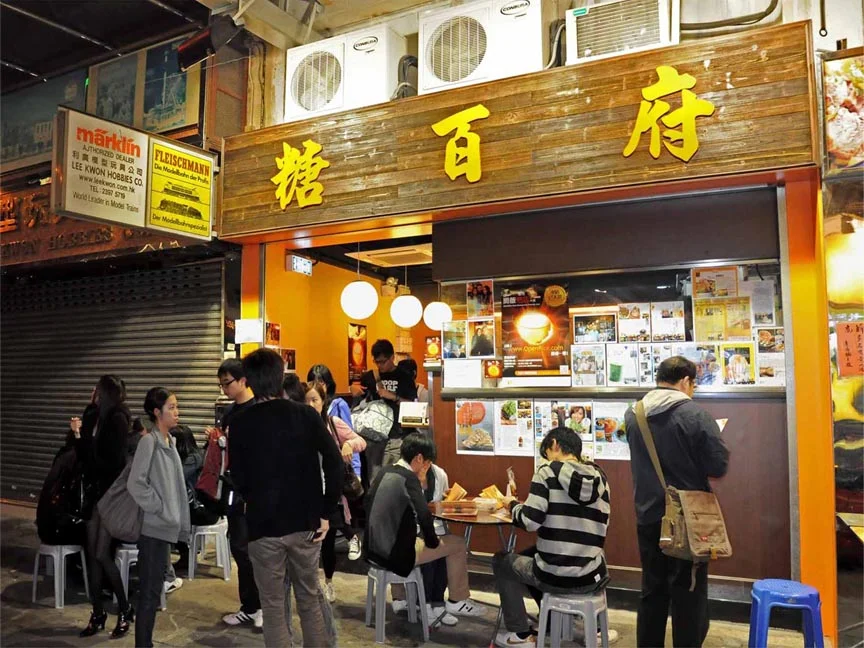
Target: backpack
x,y
693,527
61,510
213,487
373,420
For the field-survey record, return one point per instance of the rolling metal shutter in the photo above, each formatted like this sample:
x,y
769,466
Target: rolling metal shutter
x,y
150,327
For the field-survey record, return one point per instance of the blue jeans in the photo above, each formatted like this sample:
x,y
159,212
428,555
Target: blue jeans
x,y
152,563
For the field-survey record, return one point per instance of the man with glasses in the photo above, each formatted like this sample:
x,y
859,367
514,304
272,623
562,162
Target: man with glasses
x,y
690,450
232,382
392,385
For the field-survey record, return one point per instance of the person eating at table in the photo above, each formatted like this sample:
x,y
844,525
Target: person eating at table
x,y
396,506
568,508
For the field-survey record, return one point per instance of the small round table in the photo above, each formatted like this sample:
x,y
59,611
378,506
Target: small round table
x,y
482,518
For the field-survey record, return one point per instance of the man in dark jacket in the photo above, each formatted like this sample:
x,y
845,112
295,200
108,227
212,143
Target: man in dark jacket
x,y
690,450
275,446
396,506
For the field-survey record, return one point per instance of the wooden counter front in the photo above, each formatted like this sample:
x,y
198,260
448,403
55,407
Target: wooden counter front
x,y
754,494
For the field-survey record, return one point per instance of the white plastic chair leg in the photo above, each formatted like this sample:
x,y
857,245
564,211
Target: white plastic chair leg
x,y
424,615
36,574
370,593
380,607
591,630
58,580
604,628
193,555
555,630
542,626
411,600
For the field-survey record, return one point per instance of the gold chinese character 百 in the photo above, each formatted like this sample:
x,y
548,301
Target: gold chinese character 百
x,y
462,159
298,175
652,109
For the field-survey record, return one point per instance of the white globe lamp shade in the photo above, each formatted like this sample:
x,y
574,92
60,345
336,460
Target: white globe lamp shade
x,y
359,300
436,314
406,311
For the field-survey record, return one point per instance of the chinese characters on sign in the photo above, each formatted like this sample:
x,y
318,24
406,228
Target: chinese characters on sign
x,y
298,175
652,110
462,159
850,349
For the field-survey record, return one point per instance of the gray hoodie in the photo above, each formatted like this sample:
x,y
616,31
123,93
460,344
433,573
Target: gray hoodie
x,y
688,444
159,489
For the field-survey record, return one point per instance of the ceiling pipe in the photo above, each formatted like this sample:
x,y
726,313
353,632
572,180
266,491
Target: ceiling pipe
x,y
176,12
18,68
63,28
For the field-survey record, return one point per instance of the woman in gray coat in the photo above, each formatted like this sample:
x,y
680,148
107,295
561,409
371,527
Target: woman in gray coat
x,y
156,483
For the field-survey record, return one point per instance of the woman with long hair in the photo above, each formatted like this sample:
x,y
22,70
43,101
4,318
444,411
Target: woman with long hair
x,y
349,443
100,438
157,485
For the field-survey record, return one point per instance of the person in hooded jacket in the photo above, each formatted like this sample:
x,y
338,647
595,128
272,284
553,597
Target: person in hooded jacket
x,y
690,450
100,437
568,507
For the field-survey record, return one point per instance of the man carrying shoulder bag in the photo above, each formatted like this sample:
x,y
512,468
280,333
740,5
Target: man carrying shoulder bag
x,y
690,450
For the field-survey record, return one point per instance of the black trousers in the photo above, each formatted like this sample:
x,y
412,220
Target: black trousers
x,y
100,553
238,538
152,562
666,585
328,547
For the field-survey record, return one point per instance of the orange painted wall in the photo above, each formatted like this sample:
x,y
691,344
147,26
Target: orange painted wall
x,y
809,321
311,317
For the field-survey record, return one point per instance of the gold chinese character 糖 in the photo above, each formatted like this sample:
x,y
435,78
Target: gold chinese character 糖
x,y
652,109
298,175
462,160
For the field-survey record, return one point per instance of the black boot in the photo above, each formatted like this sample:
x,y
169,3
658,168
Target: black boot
x,y
96,623
124,620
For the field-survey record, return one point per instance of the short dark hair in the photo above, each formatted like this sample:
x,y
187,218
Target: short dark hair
x,y
155,398
231,367
293,389
409,365
673,370
568,441
418,444
185,441
264,369
383,348
321,374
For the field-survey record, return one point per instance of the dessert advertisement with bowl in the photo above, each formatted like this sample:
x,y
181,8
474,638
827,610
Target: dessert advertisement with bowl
x,y
610,435
535,324
475,427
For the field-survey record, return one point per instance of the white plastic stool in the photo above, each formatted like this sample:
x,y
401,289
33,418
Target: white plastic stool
x,y
588,606
219,532
126,556
413,591
58,554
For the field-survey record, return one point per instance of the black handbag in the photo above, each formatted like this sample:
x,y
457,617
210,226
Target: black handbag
x,y
352,487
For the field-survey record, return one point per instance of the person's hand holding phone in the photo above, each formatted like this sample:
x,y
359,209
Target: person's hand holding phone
x,y
318,535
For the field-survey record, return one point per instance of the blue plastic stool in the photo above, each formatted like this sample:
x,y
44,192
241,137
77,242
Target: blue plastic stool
x,y
774,592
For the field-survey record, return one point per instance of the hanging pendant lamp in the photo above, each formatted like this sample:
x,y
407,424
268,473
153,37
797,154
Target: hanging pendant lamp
x,y
359,298
406,310
437,313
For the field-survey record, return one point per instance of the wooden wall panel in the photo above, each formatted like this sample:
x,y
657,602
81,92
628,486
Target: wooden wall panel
x,y
754,494
556,132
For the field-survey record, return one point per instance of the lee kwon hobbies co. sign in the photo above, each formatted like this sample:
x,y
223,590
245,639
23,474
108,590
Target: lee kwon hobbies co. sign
x,y
111,173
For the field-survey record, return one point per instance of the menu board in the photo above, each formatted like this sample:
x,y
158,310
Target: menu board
x,y
634,322
514,427
475,427
610,434
535,325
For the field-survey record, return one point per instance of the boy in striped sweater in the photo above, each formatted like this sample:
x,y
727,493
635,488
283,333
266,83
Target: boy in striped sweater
x,y
568,508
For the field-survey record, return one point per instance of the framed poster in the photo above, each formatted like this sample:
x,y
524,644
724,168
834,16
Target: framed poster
x,y
480,298
113,86
595,327
481,338
842,74
357,345
453,337
535,323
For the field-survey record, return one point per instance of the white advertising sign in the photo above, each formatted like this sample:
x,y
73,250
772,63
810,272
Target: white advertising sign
x,y
100,170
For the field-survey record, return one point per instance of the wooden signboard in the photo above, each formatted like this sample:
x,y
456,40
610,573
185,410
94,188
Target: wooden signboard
x,y
30,232
733,104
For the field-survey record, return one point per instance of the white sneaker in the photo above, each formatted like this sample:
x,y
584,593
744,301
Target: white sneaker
x,y
505,639
446,618
242,618
399,607
354,548
329,591
613,637
173,586
465,608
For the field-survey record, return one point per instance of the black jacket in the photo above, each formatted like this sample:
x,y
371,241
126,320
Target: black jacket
x,y
396,505
104,453
274,448
688,444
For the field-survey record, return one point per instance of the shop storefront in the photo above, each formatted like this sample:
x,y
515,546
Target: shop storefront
x,y
81,299
659,203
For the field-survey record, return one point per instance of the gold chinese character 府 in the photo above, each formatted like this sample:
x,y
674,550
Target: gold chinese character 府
x,y
652,109
298,175
462,159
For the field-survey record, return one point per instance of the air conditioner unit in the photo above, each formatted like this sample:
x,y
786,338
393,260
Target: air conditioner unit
x,y
345,72
480,41
603,29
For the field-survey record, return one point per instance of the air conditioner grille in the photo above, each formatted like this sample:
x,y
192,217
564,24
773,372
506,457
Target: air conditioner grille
x,y
456,48
316,80
617,27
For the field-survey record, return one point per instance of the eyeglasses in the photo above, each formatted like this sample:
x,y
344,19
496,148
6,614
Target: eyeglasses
x,y
380,361
225,385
